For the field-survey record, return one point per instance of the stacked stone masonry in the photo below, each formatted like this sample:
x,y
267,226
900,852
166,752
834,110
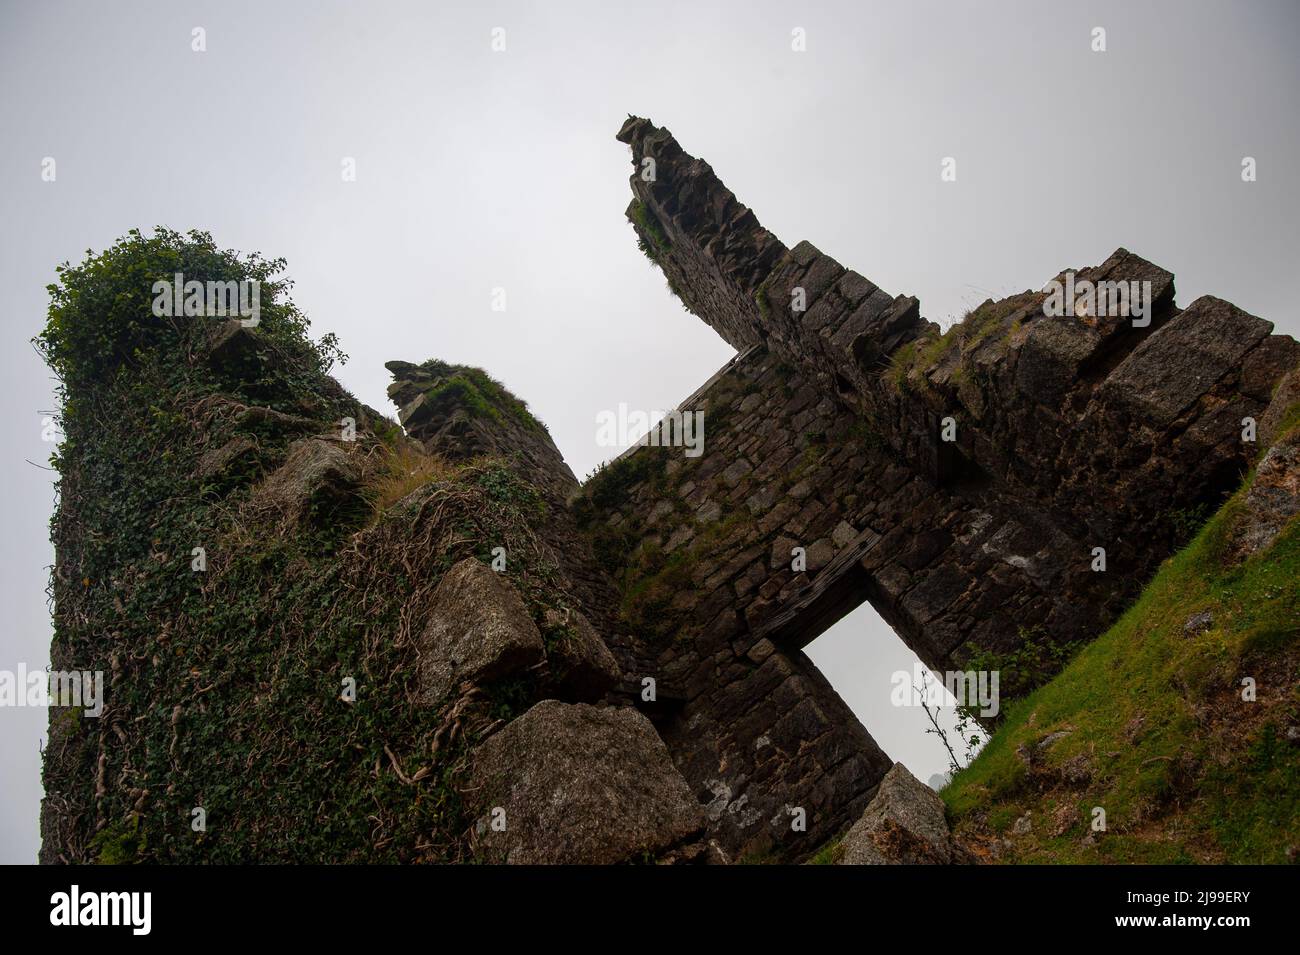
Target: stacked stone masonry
x,y
1072,433
825,481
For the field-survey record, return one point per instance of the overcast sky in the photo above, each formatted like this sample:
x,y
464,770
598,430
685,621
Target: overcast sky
x,y
478,169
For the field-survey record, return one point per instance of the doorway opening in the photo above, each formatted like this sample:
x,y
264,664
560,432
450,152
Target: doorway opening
x,y
877,675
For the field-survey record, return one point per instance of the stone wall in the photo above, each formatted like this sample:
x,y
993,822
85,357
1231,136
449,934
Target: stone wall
x,y
711,586
1044,406
1071,433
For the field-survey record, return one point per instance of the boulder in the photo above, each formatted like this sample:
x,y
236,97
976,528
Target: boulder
x,y
479,630
316,476
1183,360
581,664
217,461
1054,349
903,825
232,345
402,392
577,784
1268,364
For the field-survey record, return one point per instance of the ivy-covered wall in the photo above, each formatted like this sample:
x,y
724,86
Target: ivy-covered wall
x,y
250,558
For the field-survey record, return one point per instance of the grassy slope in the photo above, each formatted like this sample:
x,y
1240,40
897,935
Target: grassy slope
x,y
1158,733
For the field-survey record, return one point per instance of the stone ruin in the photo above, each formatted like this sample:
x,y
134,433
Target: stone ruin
x,y
1010,483
959,483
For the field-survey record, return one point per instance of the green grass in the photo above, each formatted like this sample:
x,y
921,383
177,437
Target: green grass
x,y
1159,736
828,854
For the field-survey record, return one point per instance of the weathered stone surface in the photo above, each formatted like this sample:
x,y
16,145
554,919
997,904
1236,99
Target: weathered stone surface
x,y
579,785
478,630
1267,365
903,825
416,411
231,344
402,368
1184,359
403,393
581,663
316,477
1274,497
1286,396
1052,354
820,553
216,461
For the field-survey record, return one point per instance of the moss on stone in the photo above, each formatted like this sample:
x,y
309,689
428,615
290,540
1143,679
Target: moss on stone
x,y
120,843
964,336
760,298
608,487
477,392
651,238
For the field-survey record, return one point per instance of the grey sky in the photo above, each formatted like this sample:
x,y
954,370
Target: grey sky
x,y
478,170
